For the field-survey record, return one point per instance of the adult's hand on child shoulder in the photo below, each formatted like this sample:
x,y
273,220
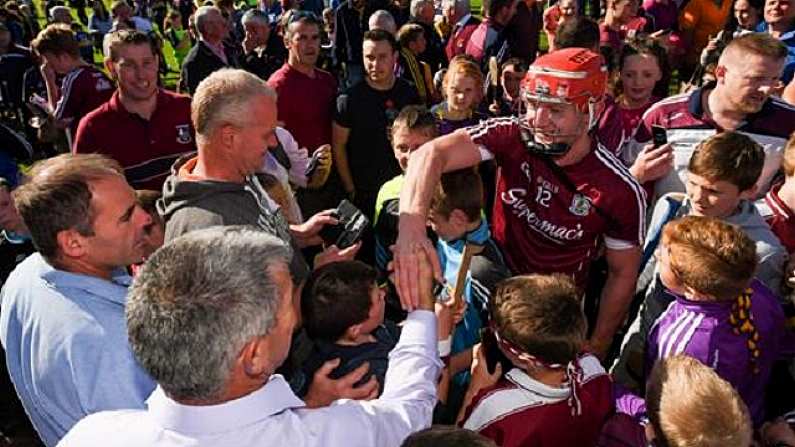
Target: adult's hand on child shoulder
x,y
324,390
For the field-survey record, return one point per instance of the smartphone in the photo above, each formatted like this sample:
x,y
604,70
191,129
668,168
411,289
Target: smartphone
x,y
313,164
659,135
492,352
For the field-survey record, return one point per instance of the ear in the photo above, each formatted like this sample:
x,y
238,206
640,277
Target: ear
x,y
109,66
749,194
227,135
254,358
720,72
353,332
71,244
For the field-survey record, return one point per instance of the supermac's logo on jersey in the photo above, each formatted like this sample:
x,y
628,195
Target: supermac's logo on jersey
x,y
183,134
580,205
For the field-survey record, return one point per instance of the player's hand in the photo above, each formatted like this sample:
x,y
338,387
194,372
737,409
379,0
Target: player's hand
x,y
333,254
411,248
47,72
324,390
307,233
481,377
653,163
598,347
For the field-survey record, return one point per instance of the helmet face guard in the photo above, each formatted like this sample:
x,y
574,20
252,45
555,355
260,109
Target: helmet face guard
x,y
573,76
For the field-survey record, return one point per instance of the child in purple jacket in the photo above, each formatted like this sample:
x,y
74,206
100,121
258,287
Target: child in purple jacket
x,y
720,316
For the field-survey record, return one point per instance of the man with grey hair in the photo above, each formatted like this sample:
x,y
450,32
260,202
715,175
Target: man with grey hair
x,y
457,13
263,55
422,13
382,19
210,316
62,316
209,54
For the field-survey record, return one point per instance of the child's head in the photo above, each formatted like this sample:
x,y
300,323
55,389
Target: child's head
x,y
413,127
540,315
722,171
568,9
512,72
447,436
622,10
58,46
706,258
174,19
579,32
642,67
412,37
463,84
342,300
457,204
154,233
690,405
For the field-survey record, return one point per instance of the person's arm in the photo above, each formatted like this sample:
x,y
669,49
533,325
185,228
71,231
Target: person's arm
x,y
481,379
426,165
339,141
53,92
622,274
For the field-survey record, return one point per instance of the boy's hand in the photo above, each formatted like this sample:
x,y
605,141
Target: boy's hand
x,y
445,319
333,254
481,378
653,163
325,390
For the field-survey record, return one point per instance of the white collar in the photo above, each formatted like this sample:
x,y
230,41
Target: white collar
x,y
523,380
273,398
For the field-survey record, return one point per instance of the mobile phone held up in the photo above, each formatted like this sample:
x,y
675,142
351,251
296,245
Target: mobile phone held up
x,y
659,135
350,228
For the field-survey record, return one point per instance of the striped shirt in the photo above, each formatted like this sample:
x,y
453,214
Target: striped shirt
x,y
82,90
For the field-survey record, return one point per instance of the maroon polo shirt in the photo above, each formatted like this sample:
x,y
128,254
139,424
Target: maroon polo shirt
x,y
305,105
145,149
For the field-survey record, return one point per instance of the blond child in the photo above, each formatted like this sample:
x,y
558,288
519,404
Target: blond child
x,y
462,89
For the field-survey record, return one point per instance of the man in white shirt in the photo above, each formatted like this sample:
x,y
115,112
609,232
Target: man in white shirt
x,y
210,317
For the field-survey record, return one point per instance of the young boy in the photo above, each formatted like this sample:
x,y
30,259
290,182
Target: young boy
x,y
687,404
412,128
720,315
83,88
456,216
554,395
343,313
721,180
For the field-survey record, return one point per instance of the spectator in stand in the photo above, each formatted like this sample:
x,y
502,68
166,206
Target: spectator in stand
x,y
62,319
364,115
463,25
100,23
748,73
552,392
621,22
239,336
522,32
154,123
640,80
462,89
489,40
779,203
299,83
177,36
382,19
779,22
411,38
422,14
61,14
698,20
350,24
707,266
83,88
15,60
259,58
557,15
541,224
209,54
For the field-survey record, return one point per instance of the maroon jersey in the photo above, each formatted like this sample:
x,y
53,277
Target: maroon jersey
x,y
779,216
522,412
82,90
541,225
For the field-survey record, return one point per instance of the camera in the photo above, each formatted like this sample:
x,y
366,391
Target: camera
x,y
349,230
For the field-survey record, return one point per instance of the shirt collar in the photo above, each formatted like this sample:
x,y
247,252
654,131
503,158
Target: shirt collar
x,y
114,290
463,20
273,398
523,380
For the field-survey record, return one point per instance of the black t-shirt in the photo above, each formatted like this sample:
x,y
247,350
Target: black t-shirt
x,y
369,114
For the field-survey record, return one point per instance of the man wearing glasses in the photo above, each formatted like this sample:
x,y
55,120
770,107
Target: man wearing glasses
x,y
740,99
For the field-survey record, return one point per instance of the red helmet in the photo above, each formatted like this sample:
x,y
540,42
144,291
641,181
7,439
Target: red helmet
x,y
568,76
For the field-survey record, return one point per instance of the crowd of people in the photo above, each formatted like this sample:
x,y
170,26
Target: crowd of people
x,y
398,223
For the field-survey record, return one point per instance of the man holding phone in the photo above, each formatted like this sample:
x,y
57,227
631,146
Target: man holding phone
x,y
740,99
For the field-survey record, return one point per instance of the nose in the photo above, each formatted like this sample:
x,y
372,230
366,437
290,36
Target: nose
x,y
540,116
